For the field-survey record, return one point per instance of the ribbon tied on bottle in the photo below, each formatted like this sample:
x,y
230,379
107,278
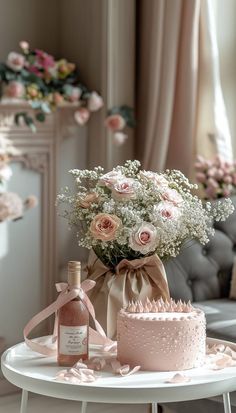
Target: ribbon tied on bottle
x,y
47,346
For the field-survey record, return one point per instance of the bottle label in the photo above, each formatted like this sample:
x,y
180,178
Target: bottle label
x,y
73,340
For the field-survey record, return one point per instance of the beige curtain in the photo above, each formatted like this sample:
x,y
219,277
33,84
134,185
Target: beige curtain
x,y
168,79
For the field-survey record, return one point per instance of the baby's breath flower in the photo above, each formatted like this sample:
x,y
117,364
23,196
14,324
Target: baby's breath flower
x,y
163,212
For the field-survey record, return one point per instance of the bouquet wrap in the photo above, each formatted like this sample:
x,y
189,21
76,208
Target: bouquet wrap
x,y
129,280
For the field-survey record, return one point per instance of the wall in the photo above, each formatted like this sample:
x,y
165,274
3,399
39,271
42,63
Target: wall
x,y
32,20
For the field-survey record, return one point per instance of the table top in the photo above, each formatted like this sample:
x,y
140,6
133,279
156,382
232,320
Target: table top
x,y
33,372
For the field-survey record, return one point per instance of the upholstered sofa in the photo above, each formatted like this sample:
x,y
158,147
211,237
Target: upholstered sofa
x,y
202,274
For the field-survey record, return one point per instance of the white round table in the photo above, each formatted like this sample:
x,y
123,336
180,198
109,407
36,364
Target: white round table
x,y
35,373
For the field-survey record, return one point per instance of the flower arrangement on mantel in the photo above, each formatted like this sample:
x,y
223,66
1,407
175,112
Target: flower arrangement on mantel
x,y
46,84
132,213
118,118
217,177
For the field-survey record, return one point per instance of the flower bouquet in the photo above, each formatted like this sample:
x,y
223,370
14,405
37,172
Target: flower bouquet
x,y
217,177
45,83
133,220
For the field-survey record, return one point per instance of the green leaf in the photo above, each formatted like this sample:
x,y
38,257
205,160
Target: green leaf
x,y
30,123
40,116
27,119
18,116
35,104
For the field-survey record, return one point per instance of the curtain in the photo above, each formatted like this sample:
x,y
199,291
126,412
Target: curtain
x,y
172,39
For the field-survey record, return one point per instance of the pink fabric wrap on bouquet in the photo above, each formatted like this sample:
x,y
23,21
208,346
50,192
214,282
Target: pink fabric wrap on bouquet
x,y
130,280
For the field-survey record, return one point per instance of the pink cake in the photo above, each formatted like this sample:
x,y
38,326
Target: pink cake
x,y
161,336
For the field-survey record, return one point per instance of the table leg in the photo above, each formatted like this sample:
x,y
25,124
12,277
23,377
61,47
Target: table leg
x,y
24,401
226,400
154,408
84,407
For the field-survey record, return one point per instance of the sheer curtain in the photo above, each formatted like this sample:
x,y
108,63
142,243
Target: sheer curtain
x,y
175,120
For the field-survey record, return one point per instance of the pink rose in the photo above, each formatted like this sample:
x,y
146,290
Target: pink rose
x,y
219,174
157,179
15,61
144,238
24,45
115,122
119,138
105,226
201,177
111,178
11,206
167,210
58,99
228,179
44,59
171,195
15,89
89,199
212,172
73,93
124,189
211,192
226,192
31,202
82,116
95,102
212,183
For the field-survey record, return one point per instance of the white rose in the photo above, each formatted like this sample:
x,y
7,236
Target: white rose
x,y
95,102
171,195
124,189
15,61
167,210
144,238
111,178
158,179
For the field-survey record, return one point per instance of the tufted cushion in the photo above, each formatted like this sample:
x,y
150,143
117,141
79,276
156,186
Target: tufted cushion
x,y
232,293
221,318
203,272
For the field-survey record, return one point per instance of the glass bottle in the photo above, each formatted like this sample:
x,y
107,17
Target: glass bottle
x,y
73,323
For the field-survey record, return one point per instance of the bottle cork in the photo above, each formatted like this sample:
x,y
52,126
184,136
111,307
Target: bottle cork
x,y
74,273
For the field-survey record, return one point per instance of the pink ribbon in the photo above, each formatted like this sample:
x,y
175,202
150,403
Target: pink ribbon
x,y
82,371
64,297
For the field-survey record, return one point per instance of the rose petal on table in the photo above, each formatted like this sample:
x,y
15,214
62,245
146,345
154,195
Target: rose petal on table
x,y
178,378
80,365
230,352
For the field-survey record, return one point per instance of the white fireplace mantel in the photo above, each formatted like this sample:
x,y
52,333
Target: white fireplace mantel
x,y
58,145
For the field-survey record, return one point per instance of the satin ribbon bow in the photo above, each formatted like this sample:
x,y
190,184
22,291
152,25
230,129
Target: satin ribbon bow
x,y
47,346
